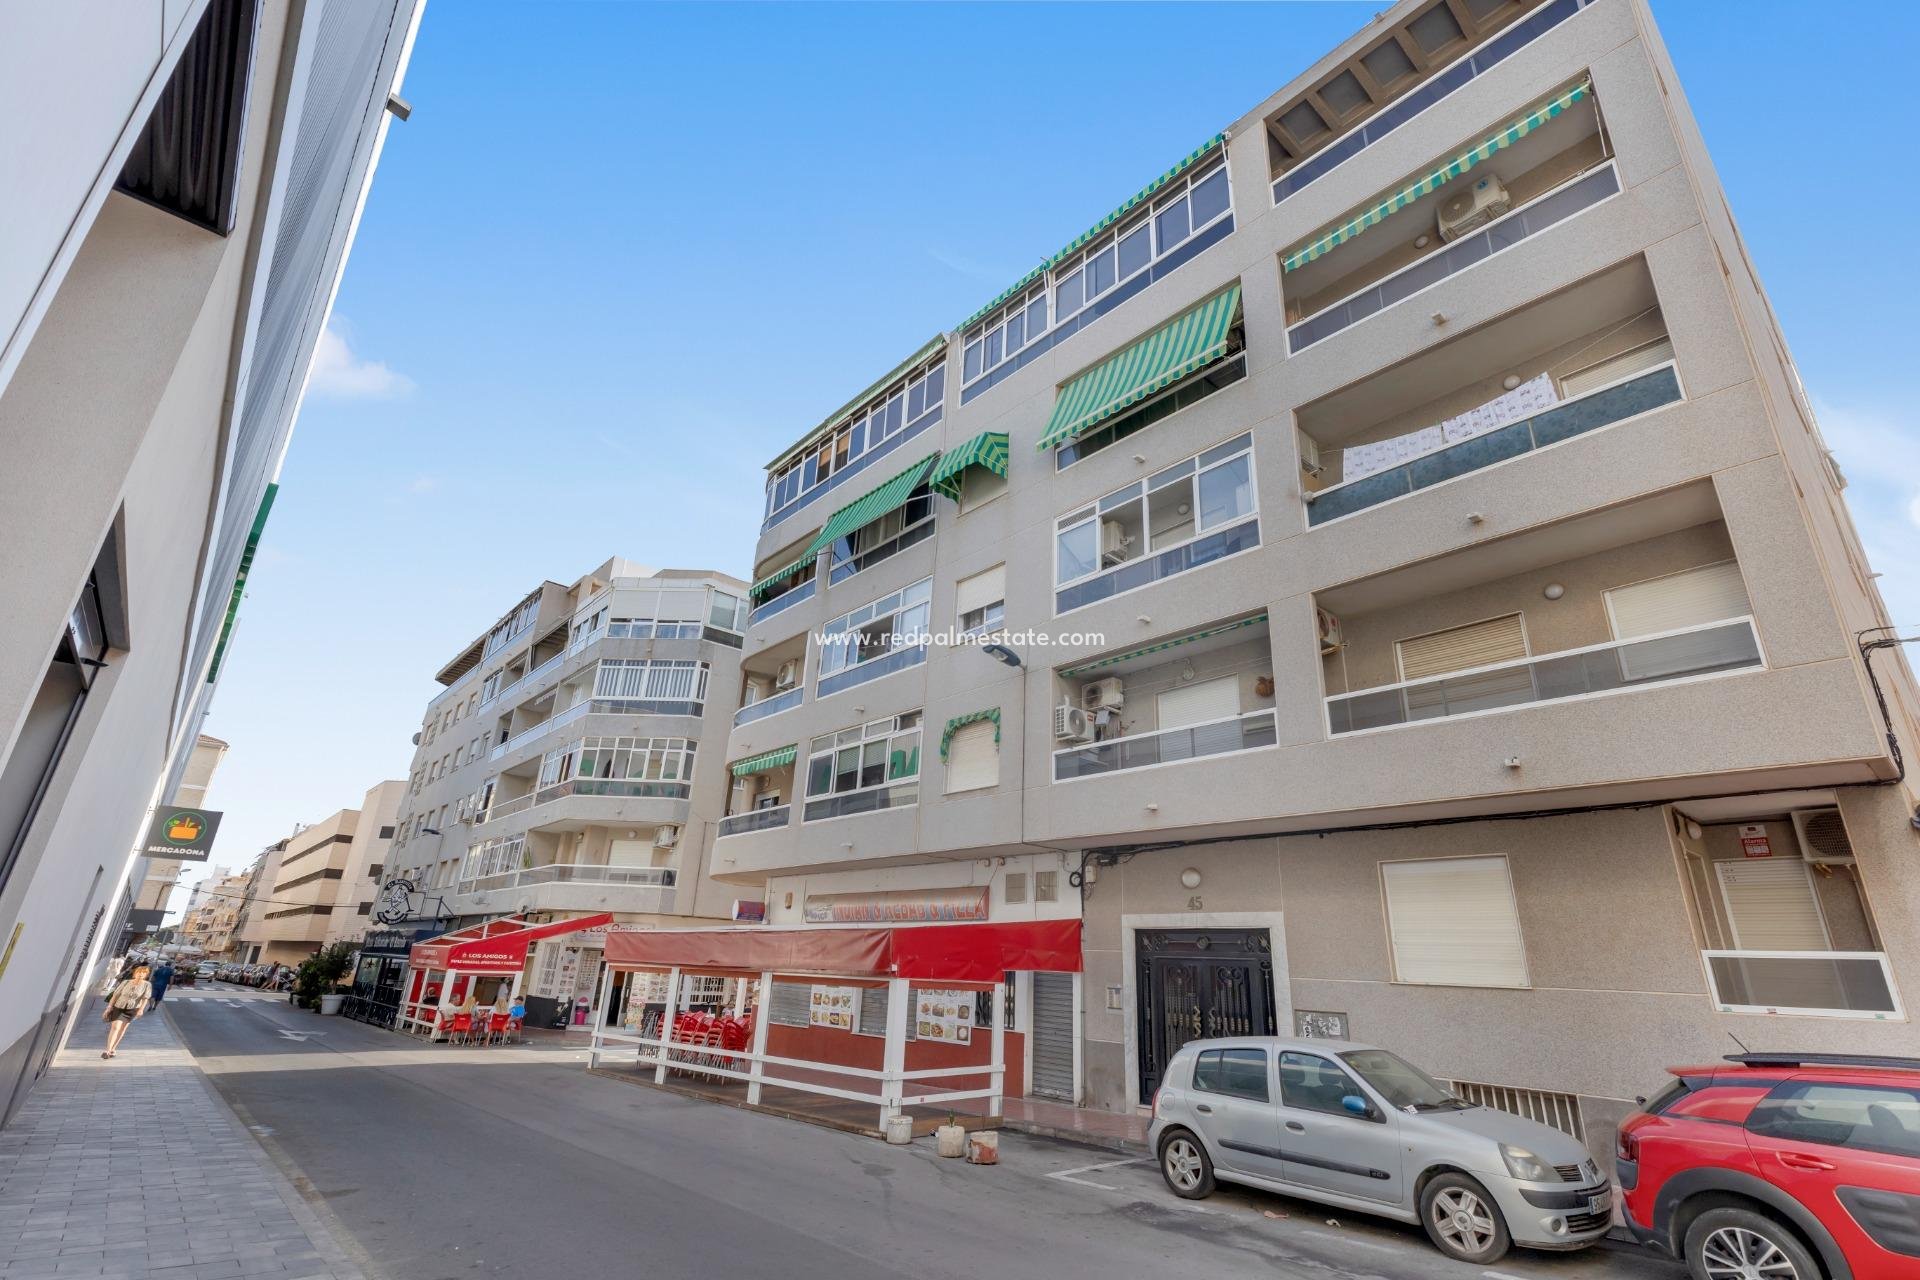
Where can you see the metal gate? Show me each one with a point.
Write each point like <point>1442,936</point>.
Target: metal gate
<point>1051,1043</point>
<point>1199,983</point>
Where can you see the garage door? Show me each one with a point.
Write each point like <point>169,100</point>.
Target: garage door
<point>1052,1040</point>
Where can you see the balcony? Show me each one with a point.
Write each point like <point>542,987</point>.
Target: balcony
<point>1169,746</point>
<point>770,706</point>
<point>792,596</point>
<point>1818,984</point>
<point>1508,183</point>
<point>768,819</point>
<point>624,788</point>
<point>570,873</point>
<point>1711,649</point>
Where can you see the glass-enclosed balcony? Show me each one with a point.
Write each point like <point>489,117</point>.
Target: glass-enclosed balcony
<point>768,819</point>
<point>1188,742</point>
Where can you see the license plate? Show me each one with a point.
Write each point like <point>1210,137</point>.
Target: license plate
<point>1601,1203</point>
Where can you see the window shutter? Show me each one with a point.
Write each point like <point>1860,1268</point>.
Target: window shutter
<point>1196,703</point>
<point>973,757</point>
<point>981,590</point>
<point>1617,368</point>
<point>1453,922</point>
<point>1771,905</point>
<point>1709,594</point>
<point>791,1004</point>
<point>1477,644</point>
<point>872,1019</point>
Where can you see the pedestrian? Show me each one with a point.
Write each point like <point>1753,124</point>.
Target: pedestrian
<point>517,1016</point>
<point>129,1000</point>
<point>160,978</point>
<point>116,969</point>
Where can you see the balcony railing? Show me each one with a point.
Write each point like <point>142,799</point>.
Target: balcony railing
<point>570,873</point>
<point>546,726</point>
<point>1708,649</point>
<point>840,570</point>
<point>1168,746</point>
<point>785,600</point>
<point>770,706</point>
<point>1603,408</point>
<point>628,788</point>
<point>552,662</point>
<point>1809,984</point>
<point>735,824</point>
<point>892,795</point>
<point>1503,233</point>
<point>900,659</point>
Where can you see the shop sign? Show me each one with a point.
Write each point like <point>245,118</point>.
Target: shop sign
<point>831,1007</point>
<point>916,906</point>
<point>1754,842</point>
<point>748,911</point>
<point>395,902</point>
<point>472,955</point>
<point>943,1016</point>
<point>181,835</point>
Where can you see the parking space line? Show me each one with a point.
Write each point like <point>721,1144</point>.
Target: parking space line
<point>1067,1175</point>
<point>1354,1241</point>
<point>1501,1275</point>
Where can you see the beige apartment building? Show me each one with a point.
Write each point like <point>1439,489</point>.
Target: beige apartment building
<point>212,917</point>
<point>572,764</point>
<point>1430,611</point>
<point>323,880</point>
<point>155,878</point>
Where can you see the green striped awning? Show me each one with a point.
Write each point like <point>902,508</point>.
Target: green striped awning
<point>764,588</point>
<point>1184,344</point>
<point>958,723</point>
<point>1133,202</point>
<point>240,581</point>
<point>766,760</point>
<point>1452,169</point>
<point>1115,659</point>
<point>988,449</point>
<point>890,496</point>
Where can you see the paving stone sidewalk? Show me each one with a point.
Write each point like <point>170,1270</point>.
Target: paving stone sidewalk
<point>136,1168</point>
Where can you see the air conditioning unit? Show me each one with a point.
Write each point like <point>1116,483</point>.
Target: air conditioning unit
<point>1070,724</point>
<point>1473,207</point>
<point>666,837</point>
<point>1309,453</point>
<point>787,676</point>
<point>1823,837</point>
<point>1114,542</point>
<point>1096,695</point>
<point>1329,629</point>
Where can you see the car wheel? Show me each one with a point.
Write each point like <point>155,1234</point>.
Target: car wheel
<point>1186,1167</point>
<point>1739,1244</point>
<point>1463,1221</point>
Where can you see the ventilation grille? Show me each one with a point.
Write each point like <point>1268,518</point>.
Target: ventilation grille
<point>1823,836</point>
<point>1555,1110</point>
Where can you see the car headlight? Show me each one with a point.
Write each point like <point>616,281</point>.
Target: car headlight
<point>1526,1166</point>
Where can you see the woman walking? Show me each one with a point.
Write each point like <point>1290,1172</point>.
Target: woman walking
<point>129,1000</point>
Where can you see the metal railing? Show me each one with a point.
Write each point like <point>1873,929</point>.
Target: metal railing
<point>570,873</point>
<point>1167,746</point>
<point>756,820</point>
<point>785,600</point>
<point>1707,649</point>
<point>1809,984</point>
<point>628,788</point>
<point>779,702</point>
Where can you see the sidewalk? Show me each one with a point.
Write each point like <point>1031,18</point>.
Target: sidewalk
<point>135,1168</point>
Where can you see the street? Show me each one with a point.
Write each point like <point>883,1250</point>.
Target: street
<point>431,1162</point>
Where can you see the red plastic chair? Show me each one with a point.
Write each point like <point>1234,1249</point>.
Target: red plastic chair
<point>497,1027</point>
<point>461,1029</point>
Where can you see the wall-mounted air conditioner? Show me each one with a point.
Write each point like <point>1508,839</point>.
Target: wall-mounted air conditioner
<point>1070,724</point>
<point>666,837</point>
<point>1823,837</point>
<point>1114,542</point>
<point>1098,695</point>
<point>1472,207</point>
<point>787,676</point>
<point>1329,628</point>
<point>1309,453</point>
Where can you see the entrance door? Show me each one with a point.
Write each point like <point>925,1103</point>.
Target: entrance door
<point>1052,1040</point>
<point>1198,983</point>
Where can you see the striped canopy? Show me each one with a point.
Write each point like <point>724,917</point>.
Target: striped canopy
<point>890,496</point>
<point>1115,659</point>
<point>988,449</point>
<point>764,588</point>
<point>958,723</point>
<point>1452,169</point>
<point>1188,342</point>
<point>765,760</point>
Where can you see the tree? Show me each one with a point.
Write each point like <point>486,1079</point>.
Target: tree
<point>321,972</point>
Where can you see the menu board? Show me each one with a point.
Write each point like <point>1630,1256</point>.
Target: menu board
<point>943,1016</point>
<point>831,1007</point>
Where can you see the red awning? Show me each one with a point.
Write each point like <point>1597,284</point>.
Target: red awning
<point>949,952</point>
<point>498,946</point>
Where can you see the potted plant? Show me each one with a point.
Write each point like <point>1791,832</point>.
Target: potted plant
<point>315,982</point>
<point>951,1139</point>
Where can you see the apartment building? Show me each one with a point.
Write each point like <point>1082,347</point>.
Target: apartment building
<point>212,917</point>
<point>249,938</point>
<point>155,878</point>
<point>1428,611</point>
<point>184,179</point>
<point>572,763</point>
<point>321,889</point>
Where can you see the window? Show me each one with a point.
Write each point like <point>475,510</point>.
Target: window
<point>980,600</point>
<point>1771,905</point>
<point>1046,886</point>
<point>386,832</point>
<point>893,625</point>
<point>1016,887</point>
<point>727,611</point>
<point>489,688</point>
<point>906,407</point>
<point>650,679</point>
<point>1860,1117</point>
<point>1189,391</point>
<point>1200,496</point>
<point>1236,1073</point>
<point>865,768</point>
<point>512,625</point>
<point>649,759</point>
<point>1453,922</point>
<point>1309,1082</point>
<point>1712,593</point>
<point>884,538</point>
<point>973,762</point>
<point>1201,702</point>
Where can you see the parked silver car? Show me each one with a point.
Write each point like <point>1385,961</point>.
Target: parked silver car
<point>1359,1127</point>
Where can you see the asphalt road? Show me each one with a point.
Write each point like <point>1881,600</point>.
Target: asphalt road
<point>438,1162</point>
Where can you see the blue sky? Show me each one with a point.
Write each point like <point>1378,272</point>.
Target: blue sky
<point>623,253</point>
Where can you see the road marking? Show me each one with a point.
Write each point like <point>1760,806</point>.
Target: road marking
<point>300,1035</point>
<point>1354,1241</point>
<point>1067,1175</point>
<point>1501,1275</point>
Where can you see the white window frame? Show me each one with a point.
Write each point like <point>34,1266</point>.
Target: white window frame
<point>918,382</point>
<point>1142,490</point>
<point>650,670</point>
<point>1386,908</point>
<point>835,635</point>
<point>883,730</point>
<point>649,752</point>
<point>1526,645</point>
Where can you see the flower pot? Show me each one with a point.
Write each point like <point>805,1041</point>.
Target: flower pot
<point>899,1130</point>
<point>951,1141</point>
<point>331,1002</point>
<point>984,1147</point>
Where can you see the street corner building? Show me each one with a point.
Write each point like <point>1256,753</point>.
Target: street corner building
<point>1480,659</point>
<point>185,180</point>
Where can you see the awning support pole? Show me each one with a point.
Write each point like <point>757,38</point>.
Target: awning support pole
<point>667,1016</point>
<point>761,1021</point>
<point>599,1016</point>
<point>998,1080</point>
<point>447,1004</point>
<point>892,1087</point>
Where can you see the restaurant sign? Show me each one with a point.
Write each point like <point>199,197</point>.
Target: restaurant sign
<point>183,835</point>
<point>913,906</point>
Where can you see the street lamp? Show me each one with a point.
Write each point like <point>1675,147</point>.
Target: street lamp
<point>1001,653</point>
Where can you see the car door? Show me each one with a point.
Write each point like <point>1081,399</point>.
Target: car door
<point>1850,1152</point>
<point>1325,1145</point>
<point>1232,1100</point>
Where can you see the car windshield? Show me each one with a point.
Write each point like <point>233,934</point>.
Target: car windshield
<point>1401,1083</point>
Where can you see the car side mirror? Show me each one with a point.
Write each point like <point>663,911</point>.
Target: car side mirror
<point>1358,1105</point>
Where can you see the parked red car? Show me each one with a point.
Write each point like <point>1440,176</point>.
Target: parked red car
<point>1780,1166</point>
